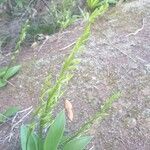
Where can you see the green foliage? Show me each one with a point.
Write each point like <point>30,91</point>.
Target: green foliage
<point>77,143</point>
<point>21,38</point>
<point>112,1</point>
<point>63,13</point>
<point>29,140</point>
<point>55,134</point>
<point>51,93</point>
<point>59,16</point>
<point>20,3</point>
<point>56,139</point>
<point>7,73</point>
<point>8,113</point>
<point>93,4</point>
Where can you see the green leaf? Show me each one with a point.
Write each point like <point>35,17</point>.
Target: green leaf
<point>2,71</point>
<point>92,4</point>
<point>78,143</point>
<point>23,135</point>
<point>8,113</point>
<point>64,139</point>
<point>11,111</point>
<point>2,83</point>
<point>11,72</point>
<point>55,132</point>
<point>29,140</point>
<point>39,143</point>
<point>112,1</point>
<point>32,143</point>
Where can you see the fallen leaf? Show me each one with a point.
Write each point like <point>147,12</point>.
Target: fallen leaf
<point>68,107</point>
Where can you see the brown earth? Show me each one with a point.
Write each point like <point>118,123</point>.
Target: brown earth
<point>116,58</point>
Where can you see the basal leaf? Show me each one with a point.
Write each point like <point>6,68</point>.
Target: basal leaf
<point>28,139</point>
<point>32,143</point>
<point>2,83</point>
<point>24,134</point>
<point>78,143</point>
<point>38,142</point>
<point>55,133</point>
<point>11,111</point>
<point>112,1</point>
<point>8,113</point>
<point>2,71</point>
<point>11,72</point>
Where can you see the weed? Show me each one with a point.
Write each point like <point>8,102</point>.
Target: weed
<point>51,94</point>
<point>51,133</point>
<point>53,139</point>
<point>93,4</point>
<point>57,17</point>
<point>8,72</point>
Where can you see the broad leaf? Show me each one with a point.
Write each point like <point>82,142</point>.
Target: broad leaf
<point>11,72</point>
<point>24,134</point>
<point>29,140</point>
<point>112,1</point>
<point>78,143</point>
<point>32,143</point>
<point>55,133</point>
<point>11,111</point>
<point>64,139</point>
<point>8,113</point>
<point>2,71</point>
<point>38,142</point>
<point>2,83</point>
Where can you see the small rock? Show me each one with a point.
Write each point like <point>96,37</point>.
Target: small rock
<point>146,91</point>
<point>146,113</point>
<point>131,122</point>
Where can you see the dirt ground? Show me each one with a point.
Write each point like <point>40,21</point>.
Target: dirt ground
<point>116,58</point>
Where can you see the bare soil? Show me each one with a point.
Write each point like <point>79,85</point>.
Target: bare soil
<point>116,58</point>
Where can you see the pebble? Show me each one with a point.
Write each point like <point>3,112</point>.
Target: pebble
<point>131,122</point>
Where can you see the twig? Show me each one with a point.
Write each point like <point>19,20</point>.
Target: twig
<point>19,112</point>
<point>92,148</point>
<point>67,46</point>
<point>25,110</point>
<point>138,30</point>
<point>21,120</point>
<point>10,83</point>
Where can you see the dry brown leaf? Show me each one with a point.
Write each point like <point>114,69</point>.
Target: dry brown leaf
<point>68,107</point>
